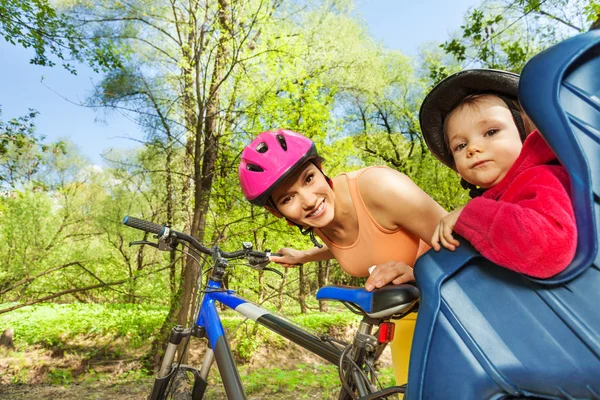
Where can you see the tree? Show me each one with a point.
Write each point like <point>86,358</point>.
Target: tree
<point>506,34</point>
<point>23,152</point>
<point>36,24</point>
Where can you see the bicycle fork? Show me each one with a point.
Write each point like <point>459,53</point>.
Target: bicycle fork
<point>166,371</point>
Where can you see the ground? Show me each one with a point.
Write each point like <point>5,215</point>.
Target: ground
<point>274,371</point>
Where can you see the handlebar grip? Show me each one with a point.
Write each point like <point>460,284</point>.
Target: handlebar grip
<point>143,225</point>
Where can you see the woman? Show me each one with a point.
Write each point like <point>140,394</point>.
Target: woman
<point>375,216</point>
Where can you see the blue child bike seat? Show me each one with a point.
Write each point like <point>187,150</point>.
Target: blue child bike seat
<point>486,332</point>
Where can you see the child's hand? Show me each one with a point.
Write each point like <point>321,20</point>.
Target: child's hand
<point>443,233</point>
<point>394,271</point>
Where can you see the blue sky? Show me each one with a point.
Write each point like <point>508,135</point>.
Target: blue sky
<point>398,24</point>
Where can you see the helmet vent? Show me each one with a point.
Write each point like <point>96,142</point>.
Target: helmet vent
<point>282,142</point>
<point>262,147</point>
<point>254,168</point>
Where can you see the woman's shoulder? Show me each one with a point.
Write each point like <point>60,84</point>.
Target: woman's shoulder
<point>381,184</point>
<point>380,176</point>
<point>373,170</point>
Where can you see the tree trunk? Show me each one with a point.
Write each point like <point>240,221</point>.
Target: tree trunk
<point>302,290</point>
<point>283,282</point>
<point>323,279</point>
<point>205,155</point>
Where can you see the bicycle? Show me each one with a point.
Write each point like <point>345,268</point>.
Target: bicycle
<point>355,361</point>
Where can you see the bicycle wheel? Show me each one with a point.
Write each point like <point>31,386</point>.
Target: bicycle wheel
<point>181,387</point>
<point>176,386</point>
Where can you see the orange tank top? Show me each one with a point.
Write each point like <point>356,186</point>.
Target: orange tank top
<point>374,243</point>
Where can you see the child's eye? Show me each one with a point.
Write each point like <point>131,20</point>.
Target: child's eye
<point>309,178</point>
<point>491,132</point>
<point>459,147</point>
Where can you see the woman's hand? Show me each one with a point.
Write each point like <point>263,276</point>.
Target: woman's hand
<point>289,257</point>
<point>393,271</point>
<point>443,233</point>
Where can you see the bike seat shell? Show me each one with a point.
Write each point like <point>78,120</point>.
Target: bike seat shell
<point>379,303</point>
<point>486,332</point>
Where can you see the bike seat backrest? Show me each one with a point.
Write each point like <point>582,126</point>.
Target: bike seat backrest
<point>488,332</point>
<point>560,91</point>
<point>379,303</point>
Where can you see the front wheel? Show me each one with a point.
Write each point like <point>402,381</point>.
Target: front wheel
<point>182,383</point>
<point>181,388</point>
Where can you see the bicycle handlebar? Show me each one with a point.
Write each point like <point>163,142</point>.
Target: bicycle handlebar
<point>142,225</point>
<point>161,231</point>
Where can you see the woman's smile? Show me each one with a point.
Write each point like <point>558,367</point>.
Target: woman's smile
<point>318,211</point>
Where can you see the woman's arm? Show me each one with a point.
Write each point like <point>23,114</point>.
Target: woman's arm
<point>292,257</point>
<point>395,201</point>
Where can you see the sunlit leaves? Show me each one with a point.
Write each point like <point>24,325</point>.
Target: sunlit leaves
<point>36,24</point>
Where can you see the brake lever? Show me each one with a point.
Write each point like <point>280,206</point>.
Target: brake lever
<point>274,270</point>
<point>141,242</point>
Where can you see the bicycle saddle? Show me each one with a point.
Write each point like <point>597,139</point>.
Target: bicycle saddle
<point>380,303</point>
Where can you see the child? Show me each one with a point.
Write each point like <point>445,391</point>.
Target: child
<point>521,215</point>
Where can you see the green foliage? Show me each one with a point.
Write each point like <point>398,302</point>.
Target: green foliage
<point>303,380</point>
<point>36,24</point>
<point>60,376</point>
<point>324,322</point>
<point>53,324</point>
<point>505,34</point>
<point>22,151</point>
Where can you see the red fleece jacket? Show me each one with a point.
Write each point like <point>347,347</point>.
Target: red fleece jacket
<point>526,222</point>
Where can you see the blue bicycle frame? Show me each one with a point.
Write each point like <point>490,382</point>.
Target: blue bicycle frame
<point>208,318</point>
<point>375,306</point>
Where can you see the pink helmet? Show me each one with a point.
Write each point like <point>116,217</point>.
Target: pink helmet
<point>269,159</point>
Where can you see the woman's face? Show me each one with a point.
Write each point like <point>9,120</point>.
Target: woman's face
<point>306,198</point>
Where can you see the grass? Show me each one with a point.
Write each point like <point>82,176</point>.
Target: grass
<point>52,324</point>
<point>304,381</point>
<point>69,343</point>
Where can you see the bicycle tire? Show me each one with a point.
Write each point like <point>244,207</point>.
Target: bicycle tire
<point>181,386</point>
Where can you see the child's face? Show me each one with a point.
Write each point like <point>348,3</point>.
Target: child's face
<point>306,198</point>
<point>484,140</point>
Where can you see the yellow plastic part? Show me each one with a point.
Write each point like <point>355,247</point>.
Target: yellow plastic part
<point>400,346</point>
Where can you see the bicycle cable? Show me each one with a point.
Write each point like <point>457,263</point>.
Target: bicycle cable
<point>341,372</point>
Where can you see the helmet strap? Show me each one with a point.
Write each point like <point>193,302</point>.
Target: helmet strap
<point>474,191</point>
<point>517,117</point>
<point>307,231</point>
<point>328,179</point>
<point>311,232</point>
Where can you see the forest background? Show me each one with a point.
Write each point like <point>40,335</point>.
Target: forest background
<point>200,79</point>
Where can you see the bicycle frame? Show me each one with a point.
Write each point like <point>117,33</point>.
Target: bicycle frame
<point>209,324</point>
<point>208,318</point>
